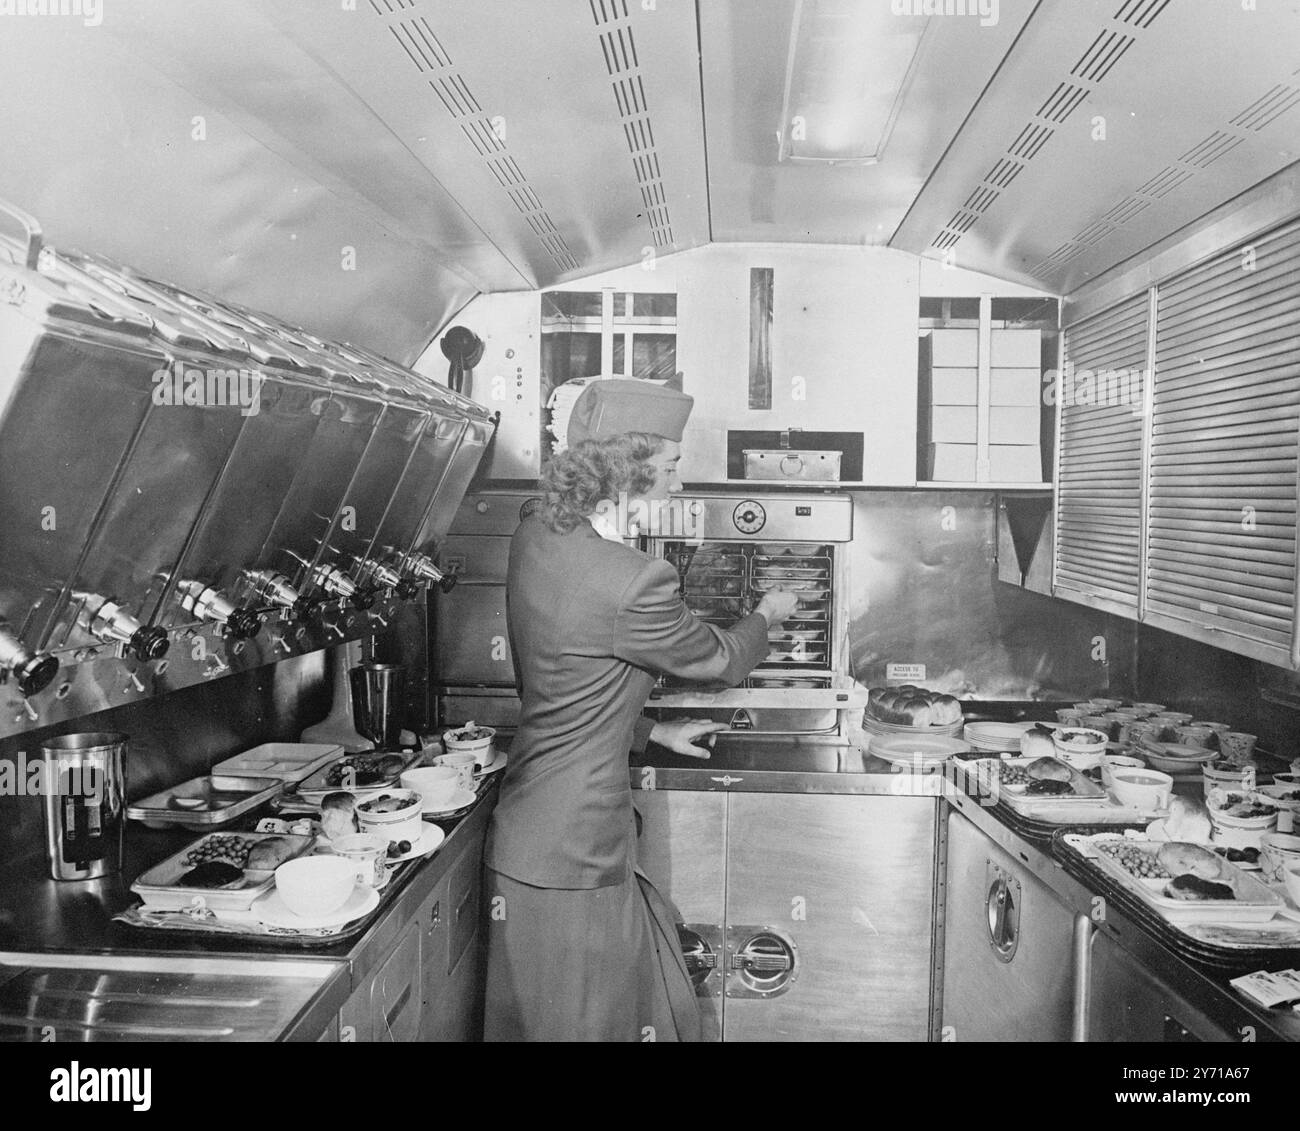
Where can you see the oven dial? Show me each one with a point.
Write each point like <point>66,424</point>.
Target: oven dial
<point>749,516</point>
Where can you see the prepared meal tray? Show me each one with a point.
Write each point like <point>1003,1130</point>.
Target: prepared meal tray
<point>1186,883</point>
<point>206,802</point>
<point>226,871</point>
<point>288,761</point>
<point>360,774</point>
<point>1033,782</point>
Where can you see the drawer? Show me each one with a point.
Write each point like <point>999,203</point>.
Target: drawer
<point>464,899</point>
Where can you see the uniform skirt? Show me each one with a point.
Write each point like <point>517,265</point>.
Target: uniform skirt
<point>585,964</point>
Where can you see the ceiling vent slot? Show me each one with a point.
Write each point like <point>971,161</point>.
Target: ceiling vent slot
<point>1205,153</point>
<point>607,11</point>
<point>981,198</point>
<point>1140,13</point>
<point>1003,172</point>
<point>426,53</point>
<point>1126,209</point>
<point>1032,138</point>
<point>1165,181</point>
<point>618,49</point>
<point>1106,50</point>
<point>1093,233</point>
<point>1264,110</point>
<point>1063,102</point>
<point>945,240</point>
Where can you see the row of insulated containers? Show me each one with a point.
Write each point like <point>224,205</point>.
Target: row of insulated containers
<point>168,459</point>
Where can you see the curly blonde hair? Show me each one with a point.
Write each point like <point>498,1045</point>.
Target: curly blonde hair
<point>575,480</point>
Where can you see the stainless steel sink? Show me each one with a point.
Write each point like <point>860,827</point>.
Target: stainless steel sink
<point>81,998</point>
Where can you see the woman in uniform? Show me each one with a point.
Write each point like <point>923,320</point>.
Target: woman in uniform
<point>581,947</point>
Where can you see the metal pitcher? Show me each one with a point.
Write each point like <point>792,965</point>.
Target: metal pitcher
<point>84,788</point>
<point>379,702</point>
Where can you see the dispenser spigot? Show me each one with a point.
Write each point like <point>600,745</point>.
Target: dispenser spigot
<point>31,671</point>
<point>206,603</point>
<point>108,621</point>
<point>422,568</point>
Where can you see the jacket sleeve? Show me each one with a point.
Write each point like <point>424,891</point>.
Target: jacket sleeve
<point>655,630</point>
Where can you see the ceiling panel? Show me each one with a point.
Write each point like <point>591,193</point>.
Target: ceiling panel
<point>744,46</point>
<point>1112,124</point>
<point>569,130</point>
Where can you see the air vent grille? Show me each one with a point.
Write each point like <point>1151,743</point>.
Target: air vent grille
<point>425,52</point>
<point>1107,49</point>
<point>623,65</point>
<point>1217,145</point>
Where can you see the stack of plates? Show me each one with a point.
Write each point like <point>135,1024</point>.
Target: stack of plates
<point>996,738</point>
<point>884,730</point>
<point>921,751</point>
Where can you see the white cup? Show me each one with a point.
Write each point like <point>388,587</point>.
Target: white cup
<point>463,762</point>
<point>435,784</point>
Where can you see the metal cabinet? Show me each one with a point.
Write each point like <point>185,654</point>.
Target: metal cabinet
<point>452,966</point>
<point>1127,1002</point>
<point>1007,968</point>
<point>809,916</point>
<point>386,1006</point>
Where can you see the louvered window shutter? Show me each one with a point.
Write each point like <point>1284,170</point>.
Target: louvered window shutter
<point>1099,501</point>
<point>1221,562</point>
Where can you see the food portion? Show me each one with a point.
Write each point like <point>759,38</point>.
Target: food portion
<point>1134,860</point>
<point>338,815</point>
<point>229,848</point>
<point>1191,887</point>
<point>912,706</point>
<point>213,874</point>
<point>1073,737</point>
<point>470,733</point>
<point>1244,807</point>
<point>1183,858</point>
<point>364,770</point>
<point>388,803</point>
<point>1037,744</point>
<point>267,855</point>
<point>1048,769</point>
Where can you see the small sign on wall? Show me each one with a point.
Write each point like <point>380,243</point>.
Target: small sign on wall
<point>911,673</point>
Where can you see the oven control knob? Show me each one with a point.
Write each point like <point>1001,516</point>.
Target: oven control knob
<point>749,516</point>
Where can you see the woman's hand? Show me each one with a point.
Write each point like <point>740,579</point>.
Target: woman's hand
<point>777,605</point>
<point>680,736</point>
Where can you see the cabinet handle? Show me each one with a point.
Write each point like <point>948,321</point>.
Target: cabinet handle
<point>464,903</point>
<point>435,917</point>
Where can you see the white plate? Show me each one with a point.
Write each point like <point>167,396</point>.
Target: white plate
<point>498,763</point>
<point>994,736</point>
<point>271,910</point>
<point>430,838</point>
<point>458,800</point>
<point>921,750</point>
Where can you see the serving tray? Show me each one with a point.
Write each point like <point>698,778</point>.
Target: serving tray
<point>1255,903</point>
<point>160,891</point>
<point>316,788</point>
<point>205,803</point>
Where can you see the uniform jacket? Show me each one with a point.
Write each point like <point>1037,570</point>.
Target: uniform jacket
<point>592,624</point>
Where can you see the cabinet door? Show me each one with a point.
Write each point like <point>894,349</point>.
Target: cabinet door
<point>395,998</point>
<point>682,849</point>
<point>844,886</point>
<point>434,924</point>
<point>1021,992</point>
<point>465,894</point>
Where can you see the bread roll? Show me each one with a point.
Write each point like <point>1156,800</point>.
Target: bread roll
<point>1048,769</point>
<point>267,855</point>
<point>945,710</point>
<point>1035,744</point>
<point>1182,859</point>
<point>1188,821</point>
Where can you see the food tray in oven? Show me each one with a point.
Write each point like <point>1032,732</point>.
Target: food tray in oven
<point>159,889</point>
<point>206,802</point>
<point>1254,902</point>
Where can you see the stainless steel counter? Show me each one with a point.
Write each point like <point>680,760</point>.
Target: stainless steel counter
<point>60,944</point>
<point>743,764</point>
